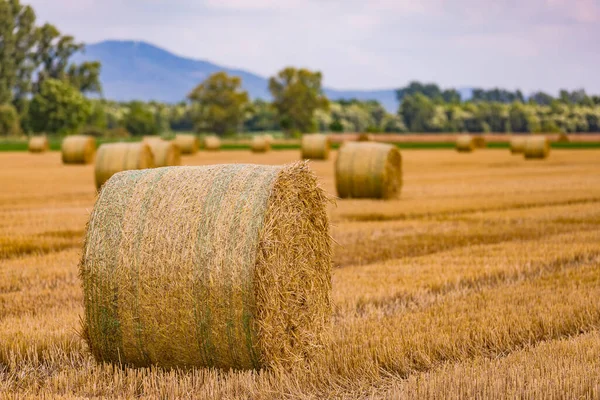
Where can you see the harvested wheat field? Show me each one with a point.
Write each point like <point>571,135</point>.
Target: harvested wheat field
<point>481,280</point>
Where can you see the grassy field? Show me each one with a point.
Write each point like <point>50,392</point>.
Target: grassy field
<point>482,281</point>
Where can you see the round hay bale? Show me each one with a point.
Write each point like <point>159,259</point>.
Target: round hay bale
<point>212,143</point>
<point>479,142</point>
<point>365,137</point>
<point>188,144</point>
<point>78,149</point>
<point>563,138</point>
<point>368,170</point>
<point>537,147</point>
<point>38,144</point>
<point>465,143</point>
<point>117,157</point>
<point>260,144</point>
<point>150,138</point>
<point>269,138</point>
<point>225,266</point>
<point>517,144</point>
<point>166,154</point>
<point>315,146</point>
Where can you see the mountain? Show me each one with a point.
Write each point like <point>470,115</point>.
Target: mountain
<point>140,71</point>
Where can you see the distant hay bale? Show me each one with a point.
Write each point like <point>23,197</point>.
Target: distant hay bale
<point>166,153</point>
<point>149,138</point>
<point>188,144</point>
<point>38,144</point>
<point>225,266</point>
<point>368,170</point>
<point>479,142</point>
<point>117,157</point>
<point>465,143</point>
<point>260,144</point>
<point>269,138</point>
<point>563,138</point>
<point>212,143</point>
<point>315,146</point>
<point>517,144</point>
<point>537,147</point>
<point>365,137</point>
<point>78,149</point>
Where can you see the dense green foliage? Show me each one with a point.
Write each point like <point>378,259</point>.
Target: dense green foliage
<point>9,120</point>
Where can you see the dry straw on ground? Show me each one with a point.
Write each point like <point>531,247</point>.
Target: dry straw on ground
<point>260,144</point>
<point>517,144</point>
<point>368,170</point>
<point>39,144</point>
<point>78,149</point>
<point>537,147</point>
<point>465,143</point>
<point>315,146</point>
<point>117,157</point>
<point>365,137</point>
<point>212,143</point>
<point>243,281</point>
<point>166,153</point>
<point>188,144</point>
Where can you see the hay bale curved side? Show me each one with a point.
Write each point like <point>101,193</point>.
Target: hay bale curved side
<point>166,154</point>
<point>188,144</point>
<point>517,144</point>
<point>78,149</point>
<point>479,142</point>
<point>239,284</point>
<point>537,147</point>
<point>260,144</point>
<point>38,144</point>
<point>212,143</point>
<point>368,170</point>
<point>117,157</point>
<point>365,137</point>
<point>315,146</point>
<point>465,143</point>
<point>269,138</point>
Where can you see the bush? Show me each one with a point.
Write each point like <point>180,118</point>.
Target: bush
<point>117,133</point>
<point>92,131</point>
<point>9,121</point>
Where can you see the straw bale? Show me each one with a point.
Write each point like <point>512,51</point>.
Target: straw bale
<point>260,144</point>
<point>537,147</point>
<point>365,137</point>
<point>368,170</point>
<point>465,143</point>
<point>166,153</point>
<point>563,138</point>
<point>78,149</point>
<point>517,144</point>
<point>479,142</point>
<point>315,146</point>
<point>269,138</point>
<point>38,144</point>
<point>188,144</point>
<point>225,266</point>
<point>212,143</point>
<point>117,157</point>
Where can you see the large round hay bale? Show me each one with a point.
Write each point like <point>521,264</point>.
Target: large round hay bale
<point>537,147</point>
<point>465,143</point>
<point>212,143</point>
<point>365,137</point>
<point>78,149</point>
<point>315,146</point>
<point>225,266</point>
<point>368,170</point>
<point>517,144</point>
<point>188,144</point>
<point>260,144</point>
<point>117,157</point>
<point>166,154</point>
<point>38,144</point>
<point>479,142</point>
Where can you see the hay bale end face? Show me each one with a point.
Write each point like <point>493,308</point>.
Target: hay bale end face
<point>517,144</point>
<point>465,144</point>
<point>368,170</point>
<point>537,147</point>
<point>479,142</point>
<point>38,144</point>
<point>260,144</point>
<point>78,149</point>
<point>212,143</point>
<point>315,146</point>
<point>188,144</point>
<point>166,153</point>
<point>117,157</point>
<point>243,281</point>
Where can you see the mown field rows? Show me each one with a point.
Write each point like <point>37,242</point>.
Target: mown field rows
<point>481,281</point>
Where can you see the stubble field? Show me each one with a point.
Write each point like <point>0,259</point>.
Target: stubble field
<point>483,280</point>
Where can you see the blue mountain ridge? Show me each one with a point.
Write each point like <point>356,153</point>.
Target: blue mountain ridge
<point>133,70</point>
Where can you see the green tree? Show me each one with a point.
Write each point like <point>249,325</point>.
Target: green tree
<point>58,108</point>
<point>9,120</point>
<point>140,120</point>
<point>297,94</point>
<point>219,104</point>
<point>261,116</point>
<point>417,111</point>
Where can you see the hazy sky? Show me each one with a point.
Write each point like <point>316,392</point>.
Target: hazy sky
<point>363,44</point>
